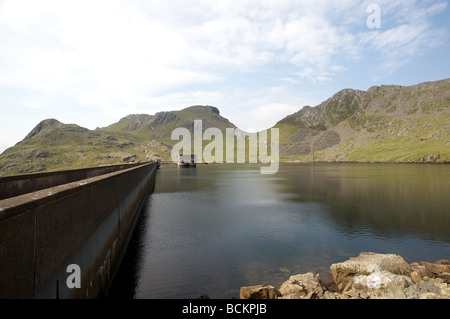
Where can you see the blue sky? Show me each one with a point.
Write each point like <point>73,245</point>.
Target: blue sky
<point>94,62</point>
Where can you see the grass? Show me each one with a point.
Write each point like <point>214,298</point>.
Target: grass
<point>399,150</point>
<point>429,137</point>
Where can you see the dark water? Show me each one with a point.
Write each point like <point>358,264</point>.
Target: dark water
<point>212,229</point>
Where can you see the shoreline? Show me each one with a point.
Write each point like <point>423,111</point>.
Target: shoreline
<point>367,276</point>
<point>171,164</point>
<point>320,162</point>
<point>365,162</point>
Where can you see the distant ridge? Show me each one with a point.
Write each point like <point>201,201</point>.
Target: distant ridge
<point>387,123</point>
<point>53,145</point>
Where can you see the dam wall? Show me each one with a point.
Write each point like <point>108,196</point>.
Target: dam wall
<point>72,234</point>
<point>11,186</point>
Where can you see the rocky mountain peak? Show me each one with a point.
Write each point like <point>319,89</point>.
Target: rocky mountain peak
<point>43,125</point>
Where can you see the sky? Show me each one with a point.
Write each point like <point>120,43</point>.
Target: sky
<point>93,62</point>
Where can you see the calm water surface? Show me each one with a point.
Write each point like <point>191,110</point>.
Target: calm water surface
<point>212,229</point>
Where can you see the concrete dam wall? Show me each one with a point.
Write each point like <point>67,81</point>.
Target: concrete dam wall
<point>67,241</point>
<point>22,184</point>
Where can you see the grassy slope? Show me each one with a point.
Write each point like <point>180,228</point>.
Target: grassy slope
<point>429,142</point>
<point>384,124</point>
<point>61,148</point>
<point>135,138</point>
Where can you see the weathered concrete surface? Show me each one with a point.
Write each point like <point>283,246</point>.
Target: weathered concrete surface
<point>87,223</point>
<point>21,184</point>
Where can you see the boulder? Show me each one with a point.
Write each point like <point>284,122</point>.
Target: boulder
<point>426,287</point>
<point>415,276</point>
<point>366,264</point>
<point>445,276</point>
<point>303,286</point>
<point>421,271</point>
<point>381,285</point>
<point>437,268</point>
<point>368,276</point>
<point>259,292</point>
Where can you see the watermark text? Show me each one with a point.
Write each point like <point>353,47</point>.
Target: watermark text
<point>240,147</point>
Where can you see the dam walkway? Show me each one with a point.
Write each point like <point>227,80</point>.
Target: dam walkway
<point>63,234</point>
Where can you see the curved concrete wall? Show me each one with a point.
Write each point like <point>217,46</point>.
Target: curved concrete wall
<point>11,186</point>
<point>86,223</point>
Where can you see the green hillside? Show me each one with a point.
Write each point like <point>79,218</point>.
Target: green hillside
<point>383,124</point>
<point>160,126</point>
<point>52,145</point>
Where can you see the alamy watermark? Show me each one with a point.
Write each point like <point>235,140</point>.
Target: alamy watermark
<point>257,144</point>
<point>374,19</point>
<point>74,279</point>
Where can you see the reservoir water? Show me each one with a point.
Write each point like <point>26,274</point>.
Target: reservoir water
<point>212,229</point>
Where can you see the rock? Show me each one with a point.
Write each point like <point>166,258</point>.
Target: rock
<point>368,276</point>
<point>259,292</point>
<point>366,264</point>
<point>329,295</point>
<point>415,276</point>
<point>303,286</point>
<point>381,284</point>
<point>436,268</point>
<point>42,154</point>
<point>431,158</point>
<point>443,286</point>
<point>421,270</point>
<point>444,276</point>
<point>428,287</point>
<point>130,159</point>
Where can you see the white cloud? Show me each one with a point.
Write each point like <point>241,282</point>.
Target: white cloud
<point>407,32</point>
<point>32,105</point>
<point>321,76</point>
<point>269,114</point>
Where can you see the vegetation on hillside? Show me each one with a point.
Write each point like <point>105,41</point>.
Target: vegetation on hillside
<point>382,124</point>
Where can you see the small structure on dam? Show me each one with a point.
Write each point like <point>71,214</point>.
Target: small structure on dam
<point>63,234</point>
<point>187,160</point>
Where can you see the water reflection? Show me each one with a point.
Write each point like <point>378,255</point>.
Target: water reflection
<point>127,278</point>
<point>388,200</point>
<point>212,229</point>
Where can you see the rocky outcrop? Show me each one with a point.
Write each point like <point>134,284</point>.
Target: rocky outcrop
<point>306,286</point>
<point>367,276</point>
<point>259,292</point>
<point>367,264</point>
<point>43,125</point>
<point>350,125</point>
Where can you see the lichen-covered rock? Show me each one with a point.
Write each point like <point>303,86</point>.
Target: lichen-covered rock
<point>368,276</point>
<point>437,268</point>
<point>303,286</point>
<point>445,276</point>
<point>381,284</point>
<point>366,264</point>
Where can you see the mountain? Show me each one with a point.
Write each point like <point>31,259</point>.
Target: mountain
<point>383,124</point>
<point>160,126</point>
<point>53,145</point>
